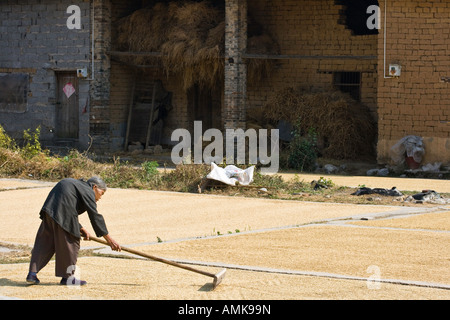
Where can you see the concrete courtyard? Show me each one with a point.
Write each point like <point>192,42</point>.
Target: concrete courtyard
<point>272,249</point>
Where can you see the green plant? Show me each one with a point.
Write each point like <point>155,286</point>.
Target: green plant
<point>326,182</point>
<point>32,146</point>
<point>150,168</point>
<point>272,181</point>
<point>6,141</point>
<point>303,150</point>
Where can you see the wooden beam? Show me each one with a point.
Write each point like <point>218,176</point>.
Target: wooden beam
<point>297,56</point>
<point>252,56</point>
<point>134,54</point>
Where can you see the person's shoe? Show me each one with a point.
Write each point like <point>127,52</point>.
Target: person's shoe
<point>72,282</point>
<point>32,278</point>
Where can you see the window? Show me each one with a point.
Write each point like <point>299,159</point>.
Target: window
<point>354,16</point>
<point>348,82</point>
<point>13,92</point>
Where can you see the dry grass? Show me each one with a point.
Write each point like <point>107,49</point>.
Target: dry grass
<point>184,178</point>
<point>17,162</point>
<point>44,166</point>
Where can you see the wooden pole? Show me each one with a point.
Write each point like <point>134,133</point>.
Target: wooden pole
<point>150,121</point>
<point>130,111</point>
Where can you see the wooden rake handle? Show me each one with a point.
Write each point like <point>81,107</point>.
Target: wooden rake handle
<point>145,255</point>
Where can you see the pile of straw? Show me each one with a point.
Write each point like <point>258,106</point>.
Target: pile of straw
<point>191,39</point>
<point>345,127</point>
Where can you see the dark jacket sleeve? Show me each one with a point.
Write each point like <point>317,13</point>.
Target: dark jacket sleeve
<point>97,220</point>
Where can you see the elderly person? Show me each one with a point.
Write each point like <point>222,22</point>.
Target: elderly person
<point>60,232</point>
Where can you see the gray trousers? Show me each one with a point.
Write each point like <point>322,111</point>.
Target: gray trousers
<point>52,239</point>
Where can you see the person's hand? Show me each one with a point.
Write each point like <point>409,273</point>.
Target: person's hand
<point>112,243</point>
<point>85,233</point>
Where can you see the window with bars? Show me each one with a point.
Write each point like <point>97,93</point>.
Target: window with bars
<point>348,82</point>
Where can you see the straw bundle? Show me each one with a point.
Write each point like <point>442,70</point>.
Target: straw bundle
<point>190,48</point>
<point>133,31</point>
<point>191,38</point>
<point>344,125</point>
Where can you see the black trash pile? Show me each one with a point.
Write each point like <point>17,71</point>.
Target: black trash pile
<point>429,196</point>
<point>384,192</point>
<point>426,196</point>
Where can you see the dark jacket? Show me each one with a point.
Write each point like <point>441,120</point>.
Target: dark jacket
<point>70,198</point>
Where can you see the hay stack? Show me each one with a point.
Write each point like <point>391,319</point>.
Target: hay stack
<point>133,32</point>
<point>191,49</point>
<point>191,38</point>
<point>345,126</point>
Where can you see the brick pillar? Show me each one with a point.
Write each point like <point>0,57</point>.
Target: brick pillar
<point>99,115</point>
<point>234,113</point>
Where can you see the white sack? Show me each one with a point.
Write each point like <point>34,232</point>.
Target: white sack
<point>231,174</point>
<point>411,146</point>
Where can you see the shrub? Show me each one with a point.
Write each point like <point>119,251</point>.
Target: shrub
<point>32,145</point>
<point>5,141</point>
<point>303,150</point>
<point>150,169</point>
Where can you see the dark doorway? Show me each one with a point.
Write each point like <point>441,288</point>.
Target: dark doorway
<point>204,104</point>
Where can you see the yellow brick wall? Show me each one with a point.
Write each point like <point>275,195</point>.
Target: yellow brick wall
<point>308,27</point>
<point>418,102</point>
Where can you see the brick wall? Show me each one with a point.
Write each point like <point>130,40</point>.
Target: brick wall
<point>310,28</point>
<point>34,39</point>
<point>417,102</point>
<point>100,112</point>
<point>234,106</point>
<point>303,27</point>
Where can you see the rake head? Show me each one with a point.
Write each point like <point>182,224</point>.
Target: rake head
<point>218,277</point>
